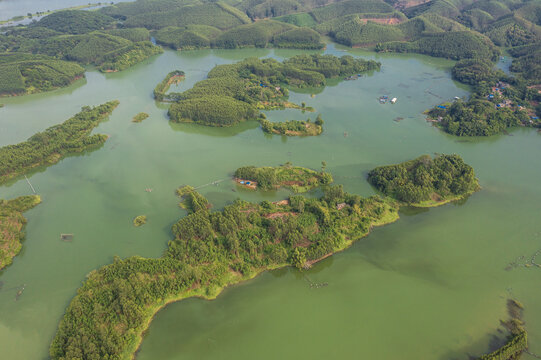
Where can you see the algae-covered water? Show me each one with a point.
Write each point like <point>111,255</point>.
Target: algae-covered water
<point>431,286</point>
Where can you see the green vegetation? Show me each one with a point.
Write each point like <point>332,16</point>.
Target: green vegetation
<point>130,55</point>
<point>187,37</point>
<point>452,45</point>
<point>55,143</point>
<point>139,220</point>
<point>517,341</point>
<point>75,21</point>
<point>296,178</point>
<point>234,93</point>
<point>342,8</point>
<point>210,250</point>
<point>139,117</point>
<point>425,182</point>
<point>294,127</point>
<point>11,226</point>
<point>511,350</point>
<point>132,34</point>
<point>217,14</point>
<point>191,200</point>
<point>300,38</point>
<point>474,71</point>
<point>26,74</point>
<point>174,77</point>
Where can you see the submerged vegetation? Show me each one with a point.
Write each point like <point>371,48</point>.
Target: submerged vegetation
<point>210,250</point>
<point>517,341</point>
<point>425,181</point>
<point>296,178</point>
<point>12,222</point>
<point>234,92</point>
<point>53,144</point>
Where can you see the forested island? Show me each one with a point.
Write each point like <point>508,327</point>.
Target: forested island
<point>12,222</point>
<point>296,178</point>
<point>293,127</point>
<point>210,250</point>
<point>53,144</point>
<point>426,181</point>
<point>214,249</point>
<point>233,93</point>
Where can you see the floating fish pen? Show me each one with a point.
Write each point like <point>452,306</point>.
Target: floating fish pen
<point>66,237</point>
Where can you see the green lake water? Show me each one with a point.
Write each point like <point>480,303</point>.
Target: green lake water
<point>433,285</point>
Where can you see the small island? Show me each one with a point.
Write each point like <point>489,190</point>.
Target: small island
<point>293,127</point>
<point>236,92</point>
<point>139,117</point>
<point>426,181</point>
<point>12,223</point>
<point>139,220</point>
<point>296,178</point>
<point>55,143</point>
<point>174,77</point>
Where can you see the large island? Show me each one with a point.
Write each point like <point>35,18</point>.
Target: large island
<point>211,250</point>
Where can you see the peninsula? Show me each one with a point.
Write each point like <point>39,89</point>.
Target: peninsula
<point>55,143</point>
<point>12,222</point>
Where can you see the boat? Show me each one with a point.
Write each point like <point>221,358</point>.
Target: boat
<point>393,100</point>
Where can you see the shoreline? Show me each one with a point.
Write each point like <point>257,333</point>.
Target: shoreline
<point>131,353</point>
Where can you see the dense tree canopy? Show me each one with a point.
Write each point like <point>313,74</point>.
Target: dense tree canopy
<point>425,181</point>
<point>210,250</point>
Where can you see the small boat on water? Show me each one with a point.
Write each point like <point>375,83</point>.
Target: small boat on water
<point>393,100</point>
<point>148,190</point>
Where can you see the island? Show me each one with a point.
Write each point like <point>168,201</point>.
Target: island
<point>55,143</point>
<point>139,220</point>
<point>212,250</point>
<point>139,117</point>
<point>22,74</point>
<point>174,77</point>
<point>294,127</point>
<point>234,92</point>
<point>426,181</point>
<point>12,223</point>
<point>296,178</point>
